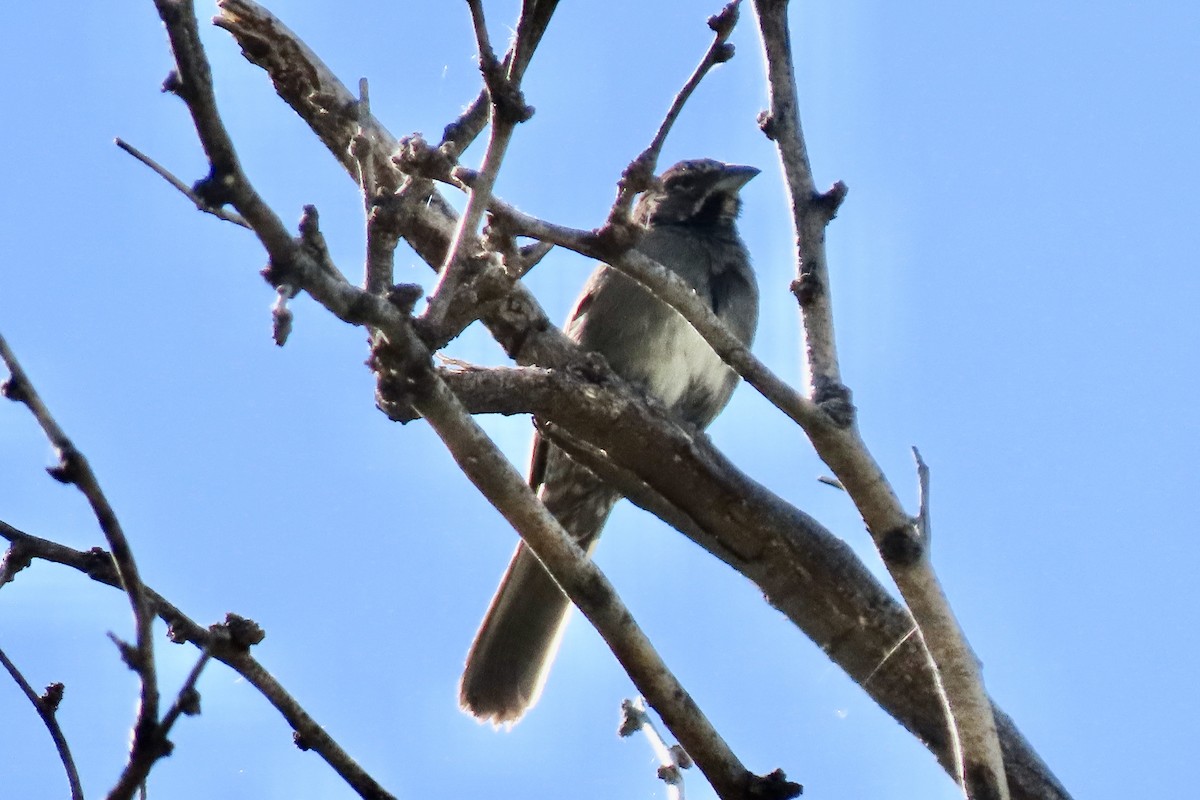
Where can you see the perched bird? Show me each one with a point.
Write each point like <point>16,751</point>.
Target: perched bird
<point>689,228</point>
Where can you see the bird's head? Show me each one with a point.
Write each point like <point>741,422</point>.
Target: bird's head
<point>700,192</point>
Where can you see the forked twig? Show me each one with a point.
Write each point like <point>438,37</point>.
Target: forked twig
<point>73,468</point>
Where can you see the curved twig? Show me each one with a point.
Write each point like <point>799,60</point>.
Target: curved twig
<point>73,468</point>
<point>46,705</point>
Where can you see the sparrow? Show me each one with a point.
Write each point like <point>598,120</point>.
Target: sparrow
<point>689,227</point>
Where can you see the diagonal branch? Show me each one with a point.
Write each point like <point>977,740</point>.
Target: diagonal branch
<point>73,468</point>
<point>979,763</point>
<point>587,587</point>
<point>402,358</point>
<point>508,109</point>
<point>46,705</point>
<point>672,290</point>
<point>803,569</point>
<point>227,642</point>
<point>639,175</point>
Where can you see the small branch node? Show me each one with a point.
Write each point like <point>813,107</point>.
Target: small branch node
<point>831,200</point>
<point>836,400</point>
<point>52,697</point>
<point>774,786</point>
<point>768,124</point>
<point>404,296</point>
<point>16,558</point>
<point>238,632</point>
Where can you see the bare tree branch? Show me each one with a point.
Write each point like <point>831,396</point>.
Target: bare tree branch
<point>979,766</point>
<point>228,642</point>
<point>46,705</point>
<point>73,468</point>
<point>518,322</point>
<point>165,174</point>
<point>803,569</point>
<point>639,175</point>
<point>585,584</point>
<point>306,265</point>
<point>508,109</point>
<point>671,760</point>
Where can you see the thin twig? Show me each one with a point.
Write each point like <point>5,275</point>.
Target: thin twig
<point>73,468</point>
<point>638,176</point>
<point>229,650</point>
<point>508,109</point>
<point>187,702</point>
<point>165,174</point>
<point>361,145</point>
<point>672,290</point>
<point>672,760</point>
<point>46,705</point>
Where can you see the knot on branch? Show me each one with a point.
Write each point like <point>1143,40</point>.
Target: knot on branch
<point>16,558</point>
<point>99,566</point>
<point>189,702</point>
<point>401,375</point>
<point>831,200</point>
<point>516,322</point>
<point>774,786</point>
<point>414,156</point>
<point>807,287</point>
<point>768,125</point>
<point>69,468</point>
<point>176,633</point>
<point>173,84</point>
<point>723,22</point>
<point>508,101</point>
<point>15,388</point>
<point>216,189</point>
<point>404,297</point>
<point>836,400</point>
<point>901,547</point>
<point>614,239</point>
<point>51,697</point>
<point>237,632</point>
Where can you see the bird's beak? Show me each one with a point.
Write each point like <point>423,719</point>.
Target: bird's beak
<point>735,176</point>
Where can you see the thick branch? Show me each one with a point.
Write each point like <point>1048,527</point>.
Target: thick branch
<point>802,569</point>
<point>306,84</point>
<point>590,591</point>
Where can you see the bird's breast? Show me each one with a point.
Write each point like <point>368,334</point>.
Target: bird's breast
<point>680,363</point>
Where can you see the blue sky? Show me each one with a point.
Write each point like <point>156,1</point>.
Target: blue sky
<point>1015,286</point>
